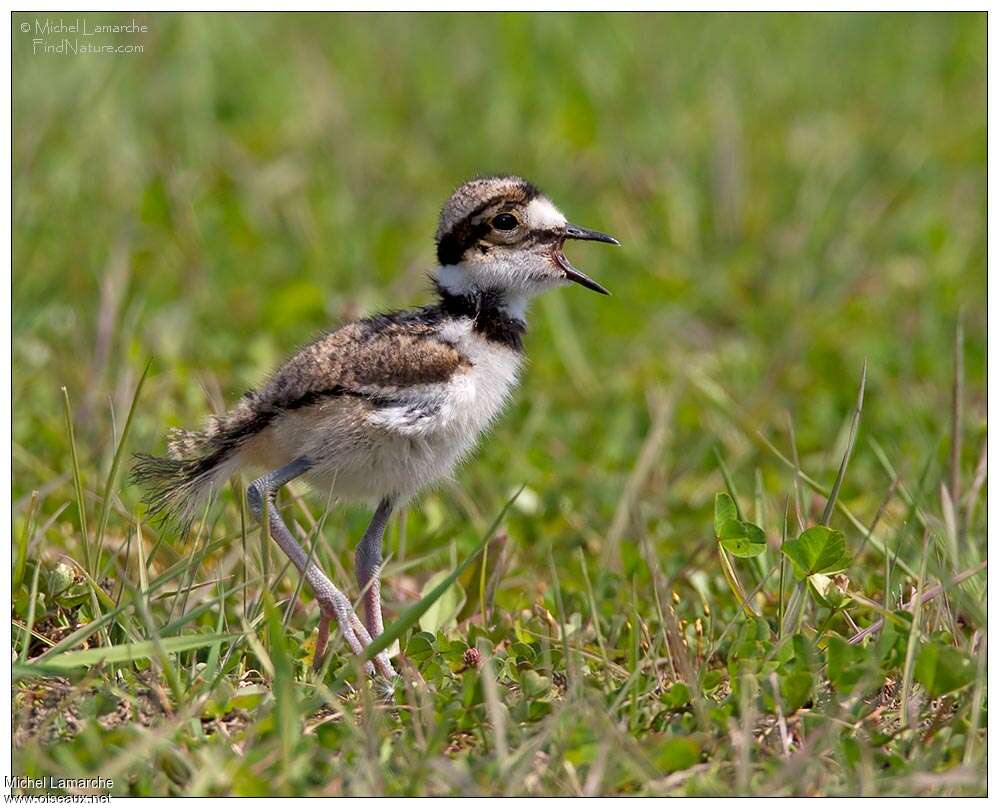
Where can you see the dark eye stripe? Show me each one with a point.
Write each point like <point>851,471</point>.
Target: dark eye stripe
<point>464,234</point>
<point>543,237</point>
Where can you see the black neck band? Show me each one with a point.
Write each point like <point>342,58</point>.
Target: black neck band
<point>485,308</point>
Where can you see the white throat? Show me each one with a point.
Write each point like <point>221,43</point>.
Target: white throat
<point>456,281</point>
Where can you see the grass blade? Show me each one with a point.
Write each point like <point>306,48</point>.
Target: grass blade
<point>201,609</point>
<point>799,497</point>
<point>22,544</point>
<point>81,506</point>
<point>123,653</point>
<point>285,697</point>
<point>910,651</point>
<point>854,425</point>
<point>783,559</point>
<point>595,616</point>
<point>729,484</point>
<point>113,472</point>
<point>31,612</point>
<point>560,609</point>
<point>957,412</point>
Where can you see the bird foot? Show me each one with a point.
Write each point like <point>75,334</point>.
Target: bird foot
<point>357,638</point>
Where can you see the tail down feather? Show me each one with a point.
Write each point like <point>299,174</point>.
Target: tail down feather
<point>179,487</point>
<point>177,490</point>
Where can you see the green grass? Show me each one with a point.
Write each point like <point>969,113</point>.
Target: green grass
<point>797,196</point>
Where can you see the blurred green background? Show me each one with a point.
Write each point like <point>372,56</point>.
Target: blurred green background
<point>795,194</point>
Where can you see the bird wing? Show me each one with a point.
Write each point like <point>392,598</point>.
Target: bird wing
<point>379,359</point>
<point>376,359</point>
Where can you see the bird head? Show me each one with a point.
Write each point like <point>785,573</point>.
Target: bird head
<point>502,234</point>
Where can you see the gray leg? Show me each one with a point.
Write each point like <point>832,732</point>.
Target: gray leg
<point>334,604</point>
<point>368,560</point>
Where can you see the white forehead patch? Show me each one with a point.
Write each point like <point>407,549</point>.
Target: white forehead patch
<point>542,215</point>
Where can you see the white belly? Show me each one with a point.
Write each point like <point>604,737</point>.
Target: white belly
<point>441,424</point>
<point>401,449</point>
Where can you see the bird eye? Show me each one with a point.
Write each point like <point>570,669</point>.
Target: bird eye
<point>505,221</point>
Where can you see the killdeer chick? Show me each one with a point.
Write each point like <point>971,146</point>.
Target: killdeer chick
<point>382,407</point>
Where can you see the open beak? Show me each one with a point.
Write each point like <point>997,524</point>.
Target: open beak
<point>571,273</point>
<point>584,235</point>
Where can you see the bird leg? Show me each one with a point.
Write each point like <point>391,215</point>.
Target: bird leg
<point>368,560</point>
<point>333,603</point>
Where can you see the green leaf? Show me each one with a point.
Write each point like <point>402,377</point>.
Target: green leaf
<point>248,697</point>
<point>677,753</point>
<point>845,664</point>
<point>420,647</point>
<point>535,685</point>
<point>442,612</point>
<point>741,538</point>
<point>711,680</point>
<point>940,669</point>
<point>725,511</point>
<point>738,537</point>
<point>803,650</point>
<point>817,550</point>
<point>795,689</point>
<point>829,591</point>
<point>677,695</point>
